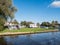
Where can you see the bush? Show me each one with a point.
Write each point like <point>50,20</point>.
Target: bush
<point>1,27</point>
<point>2,21</point>
<point>51,28</point>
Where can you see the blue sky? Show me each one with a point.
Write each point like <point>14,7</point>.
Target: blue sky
<point>36,10</point>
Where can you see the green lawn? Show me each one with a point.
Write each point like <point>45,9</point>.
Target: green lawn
<point>26,30</point>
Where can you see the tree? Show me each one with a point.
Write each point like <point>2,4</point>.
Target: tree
<point>23,23</point>
<point>45,24</point>
<point>2,20</point>
<point>6,11</point>
<point>26,23</point>
<point>15,22</point>
<point>38,24</point>
<point>54,23</point>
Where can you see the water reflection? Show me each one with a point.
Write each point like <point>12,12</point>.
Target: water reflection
<point>32,39</point>
<point>2,41</point>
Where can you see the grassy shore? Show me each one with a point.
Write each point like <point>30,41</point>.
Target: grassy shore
<point>26,31</point>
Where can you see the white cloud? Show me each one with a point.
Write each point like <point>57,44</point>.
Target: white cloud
<point>55,4</point>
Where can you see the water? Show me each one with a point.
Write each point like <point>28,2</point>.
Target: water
<point>32,39</point>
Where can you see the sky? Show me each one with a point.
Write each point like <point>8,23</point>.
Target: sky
<point>37,10</point>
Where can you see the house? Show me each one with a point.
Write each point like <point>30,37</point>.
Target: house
<point>33,26</point>
<point>11,26</point>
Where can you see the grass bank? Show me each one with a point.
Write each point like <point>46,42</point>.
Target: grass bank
<point>26,31</point>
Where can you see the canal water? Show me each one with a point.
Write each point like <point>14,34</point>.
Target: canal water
<point>51,38</point>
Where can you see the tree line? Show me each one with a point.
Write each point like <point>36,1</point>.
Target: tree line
<point>47,24</point>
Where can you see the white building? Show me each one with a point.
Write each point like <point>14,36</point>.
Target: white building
<point>33,26</point>
<point>12,26</point>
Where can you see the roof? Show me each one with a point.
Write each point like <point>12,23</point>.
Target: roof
<point>9,23</point>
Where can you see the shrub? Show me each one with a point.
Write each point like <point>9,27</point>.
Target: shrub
<point>51,28</point>
<point>1,27</point>
<point>2,21</point>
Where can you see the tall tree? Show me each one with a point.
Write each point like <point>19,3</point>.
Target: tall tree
<point>6,10</point>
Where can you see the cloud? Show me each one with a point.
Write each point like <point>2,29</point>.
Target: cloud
<point>55,4</point>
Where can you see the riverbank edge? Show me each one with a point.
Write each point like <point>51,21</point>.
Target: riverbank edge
<point>24,33</point>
